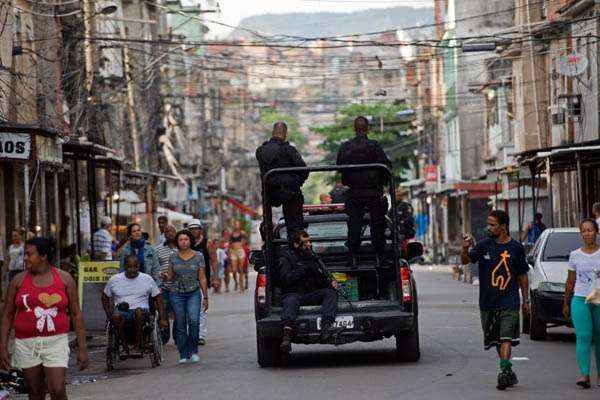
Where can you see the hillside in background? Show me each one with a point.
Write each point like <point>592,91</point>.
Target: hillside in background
<point>330,24</point>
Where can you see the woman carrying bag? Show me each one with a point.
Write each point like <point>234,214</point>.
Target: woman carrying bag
<point>583,295</point>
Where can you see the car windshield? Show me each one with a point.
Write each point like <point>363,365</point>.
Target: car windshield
<point>559,245</point>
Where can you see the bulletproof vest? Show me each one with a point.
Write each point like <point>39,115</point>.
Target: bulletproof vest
<point>273,155</point>
<point>361,150</point>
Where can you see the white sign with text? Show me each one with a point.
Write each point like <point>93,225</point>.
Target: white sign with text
<point>15,145</point>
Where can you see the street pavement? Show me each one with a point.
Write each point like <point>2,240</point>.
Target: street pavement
<point>453,363</point>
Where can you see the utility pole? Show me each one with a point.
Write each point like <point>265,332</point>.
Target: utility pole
<point>135,135</point>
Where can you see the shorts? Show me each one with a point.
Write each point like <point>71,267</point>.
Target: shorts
<point>49,351</point>
<point>129,314</point>
<point>237,254</point>
<point>500,326</point>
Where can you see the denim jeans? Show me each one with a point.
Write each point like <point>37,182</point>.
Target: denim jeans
<point>186,307</point>
<point>202,321</point>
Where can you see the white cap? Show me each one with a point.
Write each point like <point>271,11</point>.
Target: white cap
<point>195,223</point>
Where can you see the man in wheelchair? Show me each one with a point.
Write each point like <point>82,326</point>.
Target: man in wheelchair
<point>126,303</point>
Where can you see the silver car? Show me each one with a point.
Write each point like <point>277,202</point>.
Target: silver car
<point>548,260</point>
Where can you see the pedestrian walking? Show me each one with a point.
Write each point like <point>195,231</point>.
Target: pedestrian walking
<point>189,293</point>
<point>237,256</point>
<point>163,221</point>
<point>283,189</point>
<point>164,252</point>
<point>533,230</point>
<point>596,212</point>
<point>583,278</point>
<point>502,271</point>
<point>15,257</point>
<point>41,300</point>
<point>200,245</point>
<point>102,241</point>
<point>140,248</point>
<point>224,271</point>
<point>366,190</point>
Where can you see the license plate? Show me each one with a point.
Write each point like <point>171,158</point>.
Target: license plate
<point>343,321</point>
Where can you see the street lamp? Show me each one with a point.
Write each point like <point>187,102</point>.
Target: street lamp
<point>106,7</point>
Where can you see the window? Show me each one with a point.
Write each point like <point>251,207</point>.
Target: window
<point>560,245</point>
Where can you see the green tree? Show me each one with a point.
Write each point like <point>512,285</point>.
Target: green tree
<point>399,148</point>
<point>269,116</point>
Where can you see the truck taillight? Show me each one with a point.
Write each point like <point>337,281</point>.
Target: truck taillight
<point>261,289</point>
<point>405,282</point>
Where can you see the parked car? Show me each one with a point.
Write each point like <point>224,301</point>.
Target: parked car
<point>548,260</point>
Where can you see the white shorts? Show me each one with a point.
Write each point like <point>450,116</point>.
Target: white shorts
<point>49,351</point>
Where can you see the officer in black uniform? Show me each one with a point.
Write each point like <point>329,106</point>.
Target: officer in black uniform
<point>304,281</point>
<point>405,220</point>
<point>283,189</point>
<point>366,188</point>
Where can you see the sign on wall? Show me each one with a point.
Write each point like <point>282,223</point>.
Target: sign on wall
<point>15,145</point>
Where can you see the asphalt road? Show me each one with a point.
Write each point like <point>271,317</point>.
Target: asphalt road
<point>453,364</point>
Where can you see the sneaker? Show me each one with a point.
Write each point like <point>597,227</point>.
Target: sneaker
<point>503,381</point>
<point>194,359</point>
<point>475,282</point>
<point>201,341</point>
<point>183,360</point>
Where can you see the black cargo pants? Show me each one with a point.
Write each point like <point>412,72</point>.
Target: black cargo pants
<point>291,302</point>
<point>356,208</point>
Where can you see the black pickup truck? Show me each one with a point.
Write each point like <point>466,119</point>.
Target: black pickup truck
<point>375,303</point>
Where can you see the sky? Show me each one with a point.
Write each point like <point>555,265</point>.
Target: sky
<point>233,11</point>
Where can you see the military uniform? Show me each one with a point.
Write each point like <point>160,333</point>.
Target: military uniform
<point>284,189</point>
<point>366,190</point>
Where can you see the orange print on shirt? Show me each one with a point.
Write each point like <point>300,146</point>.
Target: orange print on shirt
<point>498,279</point>
<point>49,300</point>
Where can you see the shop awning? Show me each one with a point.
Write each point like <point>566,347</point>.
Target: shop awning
<point>477,190</point>
<point>564,158</point>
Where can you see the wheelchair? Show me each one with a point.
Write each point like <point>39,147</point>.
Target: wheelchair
<point>151,337</point>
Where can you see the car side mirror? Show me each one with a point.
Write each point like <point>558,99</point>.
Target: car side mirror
<point>257,259</point>
<point>414,251</point>
<point>531,260</point>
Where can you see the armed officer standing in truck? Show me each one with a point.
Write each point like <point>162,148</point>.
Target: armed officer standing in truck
<point>366,188</point>
<point>304,280</point>
<point>283,189</point>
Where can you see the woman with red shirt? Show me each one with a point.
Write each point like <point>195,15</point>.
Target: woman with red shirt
<point>41,300</point>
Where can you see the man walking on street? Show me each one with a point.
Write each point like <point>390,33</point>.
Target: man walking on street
<point>283,189</point>
<point>201,246</point>
<point>502,271</point>
<point>164,251</point>
<point>366,189</point>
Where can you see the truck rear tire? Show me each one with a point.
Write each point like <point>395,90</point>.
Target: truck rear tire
<point>268,352</point>
<point>407,345</point>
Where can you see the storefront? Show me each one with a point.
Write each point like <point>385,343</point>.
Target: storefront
<point>30,164</point>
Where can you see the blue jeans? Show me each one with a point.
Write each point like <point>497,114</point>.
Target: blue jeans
<point>186,307</point>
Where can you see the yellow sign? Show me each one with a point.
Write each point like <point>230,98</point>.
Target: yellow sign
<point>95,272</point>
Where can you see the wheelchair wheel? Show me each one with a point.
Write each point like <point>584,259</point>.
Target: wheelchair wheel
<point>112,347</point>
<point>157,354</point>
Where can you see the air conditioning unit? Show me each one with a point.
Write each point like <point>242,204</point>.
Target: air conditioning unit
<point>558,114</point>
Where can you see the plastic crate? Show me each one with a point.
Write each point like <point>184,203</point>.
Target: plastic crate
<point>349,289</point>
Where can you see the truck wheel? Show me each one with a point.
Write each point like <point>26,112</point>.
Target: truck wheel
<point>537,327</point>
<point>407,345</point>
<point>268,352</point>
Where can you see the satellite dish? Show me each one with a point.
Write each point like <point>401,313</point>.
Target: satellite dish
<point>573,64</point>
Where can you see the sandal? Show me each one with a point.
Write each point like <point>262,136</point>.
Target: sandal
<point>584,384</point>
